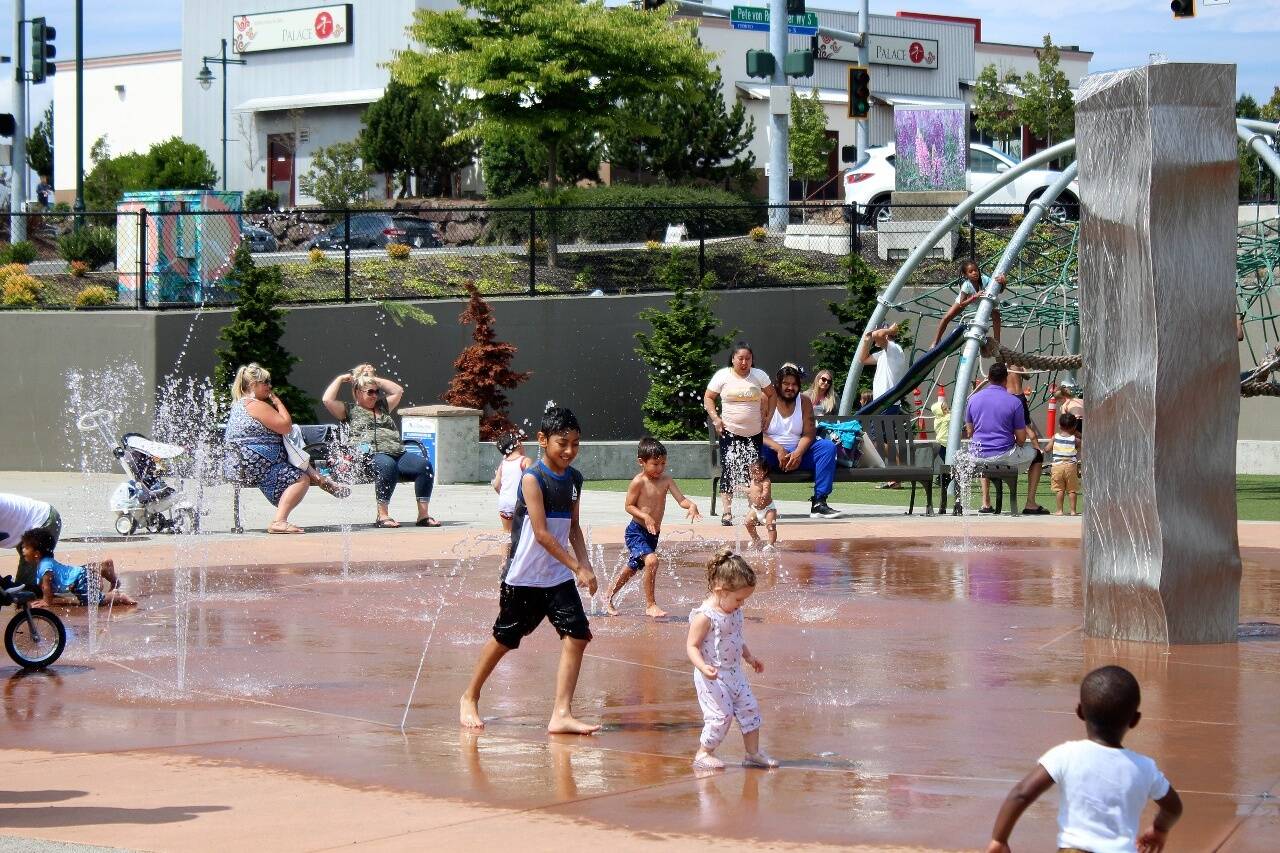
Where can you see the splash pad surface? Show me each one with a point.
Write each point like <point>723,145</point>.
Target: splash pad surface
<point>909,682</point>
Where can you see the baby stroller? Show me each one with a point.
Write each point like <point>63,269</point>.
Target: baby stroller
<point>145,500</point>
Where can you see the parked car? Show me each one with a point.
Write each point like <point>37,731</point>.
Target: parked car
<point>376,230</point>
<point>259,239</point>
<point>870,185</point>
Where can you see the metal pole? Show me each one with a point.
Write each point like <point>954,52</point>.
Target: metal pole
<point>346,255</point>
<point>778,117</point>
<point>223,54</point>
<point>79,202</point>
<point>18,200</point>
<point>142,258</point>
<point>702,247</point>
<point>533,224</point>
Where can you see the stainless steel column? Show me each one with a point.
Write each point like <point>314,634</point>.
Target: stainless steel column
<point>1158,174</point>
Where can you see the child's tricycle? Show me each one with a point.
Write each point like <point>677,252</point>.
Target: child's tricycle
<point>35,637</point>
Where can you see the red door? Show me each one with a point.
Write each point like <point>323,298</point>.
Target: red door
<point>280,147</point>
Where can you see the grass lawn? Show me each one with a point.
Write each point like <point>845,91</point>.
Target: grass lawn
<point>1257,496</point>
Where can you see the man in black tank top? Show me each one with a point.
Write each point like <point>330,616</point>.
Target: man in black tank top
<point>791,440</point>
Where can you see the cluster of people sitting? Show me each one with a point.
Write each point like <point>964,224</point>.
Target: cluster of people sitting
<point>261,453</point>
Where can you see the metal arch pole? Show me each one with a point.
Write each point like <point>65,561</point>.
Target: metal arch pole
<point>1255,135</point>
<point>977,328</point>
<point>953,218</point>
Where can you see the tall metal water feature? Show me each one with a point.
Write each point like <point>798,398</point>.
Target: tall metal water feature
<point>1158,176</point>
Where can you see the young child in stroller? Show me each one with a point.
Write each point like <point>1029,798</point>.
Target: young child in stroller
<point>146,498</point>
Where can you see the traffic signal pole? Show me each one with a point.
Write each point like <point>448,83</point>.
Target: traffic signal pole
<point>18,195</point>
<point>861,136</point>
<point>779,116</point>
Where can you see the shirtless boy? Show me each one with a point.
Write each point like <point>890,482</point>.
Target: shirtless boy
<point>646,504</point>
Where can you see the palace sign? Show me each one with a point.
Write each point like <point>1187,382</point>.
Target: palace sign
<point>884,50</point>
<point>313,27</point>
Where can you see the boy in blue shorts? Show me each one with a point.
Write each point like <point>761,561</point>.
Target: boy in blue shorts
<point>538,579</point>
<point>1104,786</point>
<point>646,504</point>
<point>56,578</point>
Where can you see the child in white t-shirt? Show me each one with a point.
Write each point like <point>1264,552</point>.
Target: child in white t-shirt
<point>1104,785</point>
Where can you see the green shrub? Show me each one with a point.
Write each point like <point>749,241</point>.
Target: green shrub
<point>257,201</point>
<point>95,245</point>
<point>656,207</point>
<point>22,252</point>
<point>94,296</point>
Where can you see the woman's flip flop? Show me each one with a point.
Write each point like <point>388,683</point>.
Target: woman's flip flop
<point>427,522</point>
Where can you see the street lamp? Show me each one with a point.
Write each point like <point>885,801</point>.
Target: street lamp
<point>205,78</point>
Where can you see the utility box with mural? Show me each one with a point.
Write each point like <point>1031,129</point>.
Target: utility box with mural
<point>181,248</point>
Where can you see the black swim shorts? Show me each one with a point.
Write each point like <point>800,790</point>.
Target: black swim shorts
<point>521,609</point>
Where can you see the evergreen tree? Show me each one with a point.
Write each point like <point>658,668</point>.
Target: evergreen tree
<point>483,370</point>
<point>40,145</point>
<point>414,130</point>
<point>254,334</point>
<point>1247,107</point>
<point>680,353</point>
<point>687,135</point>
<point>834,351</point>
<point>807,142</point>
<point>337,178</point>
<point>516,161</point>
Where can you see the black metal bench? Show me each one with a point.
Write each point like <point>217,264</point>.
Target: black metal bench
<point>897,448</point>
<point>1001,476</point>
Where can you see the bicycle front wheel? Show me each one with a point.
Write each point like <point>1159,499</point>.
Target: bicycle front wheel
<point>38,648</point>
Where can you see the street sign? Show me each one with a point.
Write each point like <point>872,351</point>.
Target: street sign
<point>757,18</point>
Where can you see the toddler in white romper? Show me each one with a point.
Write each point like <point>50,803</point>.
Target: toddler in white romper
<point>718,652</point>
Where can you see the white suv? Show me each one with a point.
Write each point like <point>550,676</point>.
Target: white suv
<point>871,185</point>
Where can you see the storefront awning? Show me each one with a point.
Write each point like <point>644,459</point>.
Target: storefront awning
<point>302,102</point>
<point>760,92</point>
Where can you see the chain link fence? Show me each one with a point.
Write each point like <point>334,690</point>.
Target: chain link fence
<point>168,259</point>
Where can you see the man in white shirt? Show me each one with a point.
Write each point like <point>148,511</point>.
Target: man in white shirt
<point>891,365</point>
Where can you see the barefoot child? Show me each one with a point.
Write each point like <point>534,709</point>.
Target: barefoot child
<point>1065,473</point>
<point>506,480</point>
<point>646,504</point>
<point>1104,785</point>
<point>760,506</point>
<point>717,650</point>
<point>538,579</point>
<point>56,578</point>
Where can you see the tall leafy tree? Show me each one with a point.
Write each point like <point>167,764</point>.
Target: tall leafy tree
<point>168,165</point>
<point>995,103</point>
<point>40,145</point>
<point>1270,111</point>
<point>679,353</point>
<point>415,130</point>
<point>1247,107</point>
<point>688,135</point>
<point>483,371</point>
<point>807,142</point>
<point>254,335</point>
<point>517,161</point>
<point>549,68</point>
<point>1047,107</point>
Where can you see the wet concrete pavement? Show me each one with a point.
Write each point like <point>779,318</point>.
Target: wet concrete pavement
<point>910,681</point>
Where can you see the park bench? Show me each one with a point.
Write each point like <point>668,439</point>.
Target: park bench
<point>1001,476</point>
<point>898,450</point>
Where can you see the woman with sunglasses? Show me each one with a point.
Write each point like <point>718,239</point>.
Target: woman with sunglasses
<point>375,433</point>
<point>822,393</point>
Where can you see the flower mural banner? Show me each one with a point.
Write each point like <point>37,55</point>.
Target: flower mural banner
<point>931,148</point>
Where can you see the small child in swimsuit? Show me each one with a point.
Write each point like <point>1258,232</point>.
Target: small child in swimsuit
<point>760,506</point>
<point>56,578</point>
<point>647,504</point>
<point>506,480</point>
<point>717,651</point>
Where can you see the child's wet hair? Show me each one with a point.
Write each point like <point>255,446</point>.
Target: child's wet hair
<point>1068,421</point>
<point>729,571</point>
<point>966,264</point>
<point>40,539</point>
<point>650,448</point>
<point>507,442</point>
<point>557,420</point>
<point>1109,697</point>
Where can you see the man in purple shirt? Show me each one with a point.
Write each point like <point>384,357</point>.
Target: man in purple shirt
<point>996,425</point>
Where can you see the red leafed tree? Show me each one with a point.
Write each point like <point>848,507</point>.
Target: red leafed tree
<point>483,371</point>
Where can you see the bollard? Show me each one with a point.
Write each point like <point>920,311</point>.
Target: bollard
<point>918,401</point>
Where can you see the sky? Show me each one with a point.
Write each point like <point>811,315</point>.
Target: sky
<point>1121,33</point>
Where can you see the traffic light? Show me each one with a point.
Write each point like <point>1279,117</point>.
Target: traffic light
<point>42,50</point>
<point>859,91</point>
<point>1183,8</point>
<point>799,63</point>
<point>760,63</point>
<point>795,7</point>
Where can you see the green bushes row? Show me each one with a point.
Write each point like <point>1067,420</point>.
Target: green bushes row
<point>704,211</point>
<point>21,252</point>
